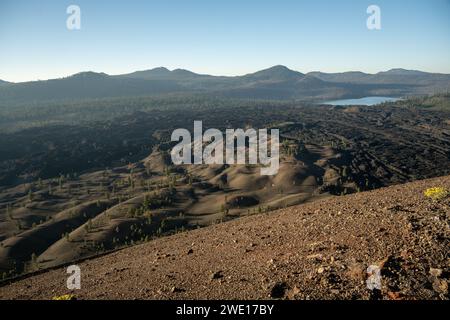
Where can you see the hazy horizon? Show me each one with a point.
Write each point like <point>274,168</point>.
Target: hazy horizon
<point>215,75</point>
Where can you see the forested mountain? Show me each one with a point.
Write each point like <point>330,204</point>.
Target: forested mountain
<point>277,82</point>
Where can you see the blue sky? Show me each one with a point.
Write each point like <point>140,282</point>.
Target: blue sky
<point>221,37</point>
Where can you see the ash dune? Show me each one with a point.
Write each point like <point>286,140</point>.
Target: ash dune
<point>144,197</point>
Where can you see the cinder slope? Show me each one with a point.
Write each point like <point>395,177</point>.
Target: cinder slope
<point>319,250</point>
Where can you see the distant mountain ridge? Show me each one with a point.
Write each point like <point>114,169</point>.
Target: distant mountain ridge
<point>277,82</point>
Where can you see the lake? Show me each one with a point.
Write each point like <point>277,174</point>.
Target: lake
<point>366,101</point>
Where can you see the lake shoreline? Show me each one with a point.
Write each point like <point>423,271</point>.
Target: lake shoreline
<point>365,101</point>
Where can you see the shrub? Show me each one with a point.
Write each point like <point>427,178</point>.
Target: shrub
<point>64,297</point>
<point>436,193</point>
